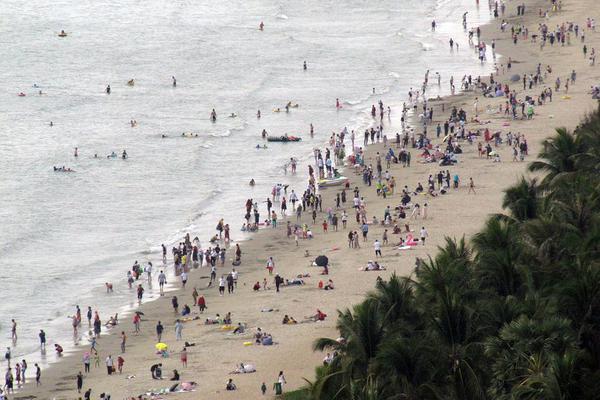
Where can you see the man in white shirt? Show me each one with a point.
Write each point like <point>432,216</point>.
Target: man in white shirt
<point>184,278</point>
<point>424,235</point>
<point>109,364</point>
<point>234,274</point>
<point>377,246</point>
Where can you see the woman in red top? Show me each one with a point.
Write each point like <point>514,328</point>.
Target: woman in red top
<point>201,304</point>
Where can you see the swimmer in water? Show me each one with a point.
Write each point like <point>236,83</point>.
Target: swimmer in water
<point>108,89</point>
<point>261,26</point>
<point>232,115</point>
<point>213,115</point>
<point>124,155</point>
<point>252,183</point>
<point>305,67</point>
<point>258,114</point>
<point>163,136</point>
<point>75,154</point>
<point>62,33</point>
<point>51,123</point>
<point>174,81</point>
<point>264,133</point>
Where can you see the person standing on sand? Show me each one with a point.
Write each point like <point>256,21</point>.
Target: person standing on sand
<point>424,235</point>
<point>38,375</point>
<point>136,323</point>
<point>178,330</point>
<point>184,278</point>
<point>123,341</point>
<point>183,357</point>
<point>221,285</point>
<point>79,382</point>
<point>89,316</point>
<point>109,364</point>
<point>162,280</point>
<point>471,186</point>
<point>377,246</point>
<point>159,331</point>
<point>201,304</point>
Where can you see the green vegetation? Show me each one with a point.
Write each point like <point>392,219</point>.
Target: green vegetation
<point>513,315</point>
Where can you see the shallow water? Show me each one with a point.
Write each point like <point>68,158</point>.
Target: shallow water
<point>63,235</point>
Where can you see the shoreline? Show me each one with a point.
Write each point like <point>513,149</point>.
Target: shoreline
<point>349,295</point>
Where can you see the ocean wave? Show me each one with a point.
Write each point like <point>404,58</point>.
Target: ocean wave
<point>281,16</point>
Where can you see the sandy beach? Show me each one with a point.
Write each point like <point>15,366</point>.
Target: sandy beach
<point>458,213</point>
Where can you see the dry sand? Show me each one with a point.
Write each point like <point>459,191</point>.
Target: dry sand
<point>216,353</point>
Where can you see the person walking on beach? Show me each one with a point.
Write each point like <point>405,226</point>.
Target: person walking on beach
<point>159,331</point>
<point>424,235</point>
<point>38,375</point>
<point>471,186</point>
<point>109,364</point>
<point>201,304</point>
<point>184,279</point>
<point>162,280</point>
<point>89,316</point>
<point>86,362</point>
<point>221,285</point>
<point>14,330</point>
<point>123,341</point>
<point>377,246</point>
<point>79,382</point>
<point>183,357</point>
<point>136,323</point>
<point>175,304</point>
<point>42,336</point>
<point>178,330</point>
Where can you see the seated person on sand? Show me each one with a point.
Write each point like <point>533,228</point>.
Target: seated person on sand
<point>175,376</point>
<point>288,320</point>
<point>419,188</point>
<point>256,286</point>
<point>319,316</point>
<point>212,321</point>
<point>227,319</point>
<point>258,335</point>
<point>186,310</point>
<point>329,285</point>
<point>432,192</point>
<point>240,329</point>
<point>230,385</point>
<point>156,371</point>
<point>58,348</point>
<point>244,369</point>
<point>375,267</point>
<point>295,281</point>
<point>397,229</point>
<point>267,340</point>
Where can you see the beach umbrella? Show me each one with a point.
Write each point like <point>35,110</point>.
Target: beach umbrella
<point>322,261</point>
<point>139,313</point>
<point>161,346</point>
<point>515,78</point>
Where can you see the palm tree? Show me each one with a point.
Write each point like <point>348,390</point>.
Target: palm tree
<point>498,251</point>
<point>557,160</point>
<point>522,199</point>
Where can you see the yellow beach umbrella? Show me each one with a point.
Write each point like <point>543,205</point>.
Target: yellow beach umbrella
<point>161,346</point>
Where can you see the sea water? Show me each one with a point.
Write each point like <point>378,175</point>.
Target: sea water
<point>62,235</point>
